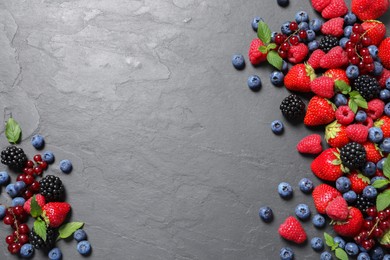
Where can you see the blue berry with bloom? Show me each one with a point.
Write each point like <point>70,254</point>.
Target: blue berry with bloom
<point>66,166</point>
<point>84,247</point>
<point>38,141</point>
<point>254,82</point>
<point>238,61</point>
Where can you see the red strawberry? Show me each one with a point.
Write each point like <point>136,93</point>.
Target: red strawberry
<point>375,30</point>
<point>310,144</point>
<point>373,153</point>
<point>337,209</point>
<point>322,195</point>
<point>320,5</point>
<point>336,8</point>
<point>315,58</point>
<point>327,165</point>
<point>336,135</point>
<point>383,77</point>
<point>375,108</point>
<point>384,124</point>
<point>369,9</point>
<point>344,115</point>
<point>298,78</point>
<point>255,56</point>
<point>56,212</point>
<point>297,53</point>
<point>352,226</point>
<point>358,182</point>
<point>320,111</point>
<point>292,230</point>
<point>40,200</point>
<point>323,87</point>
<point>357,133</point>
<point>337,74</point>
<point>335,58</point>
<point>334,26</point>
<point>384,52</point>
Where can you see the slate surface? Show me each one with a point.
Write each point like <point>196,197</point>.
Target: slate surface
<point>172,153</point>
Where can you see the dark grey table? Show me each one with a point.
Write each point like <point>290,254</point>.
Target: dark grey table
<point>173,154</point>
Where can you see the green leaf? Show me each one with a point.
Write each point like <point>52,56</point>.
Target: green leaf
<point>341,254</point>
<point>380,183</point>
<point>36,210</point>
<point>271,46</point>
<point>342,86</point>
<point>361,103</point>
<point>12,131</point>
<point>336,162</point>
<point>383,200</point>
<point>352,105</point>
<point>275,60</point>
<point>386,167</point>
<point>263,49</point>
<point>68,229</point>
<point>329,239</point>
<point>358,99</point>
<point>40,228</point>
<point>263,32</point>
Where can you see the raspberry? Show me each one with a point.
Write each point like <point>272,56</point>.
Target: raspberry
<point>375,108</point>
<point>292,107</point>
<point>353,155</point>
<point>345,115</point>
<point>14,157</point>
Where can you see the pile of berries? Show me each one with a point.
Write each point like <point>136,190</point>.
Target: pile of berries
<point>342,64</point>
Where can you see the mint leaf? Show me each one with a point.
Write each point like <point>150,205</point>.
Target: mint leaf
<point>271,46</point>
<point>263,32</point>
<point>275,60</point>
<point>40,228</point>
<point>36,210</point>
<point>342,86</point>
<point>12,131</point>
<point>386,167</point>
<point>383,200</point>
<point>380,183</point>
<point>352,105</point>
<point>358,99</point>
<point>329,239</point>
<point>263,49</point>
<point>341,254</point>
<point>68,229</point>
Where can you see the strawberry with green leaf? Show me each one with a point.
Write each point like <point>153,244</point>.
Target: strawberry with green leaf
<point>384,124</point>
<point>299,77</point>
<point>358,181</point>
<point>373,153</point>
<point>327,166</point>
<point>336,135</point>
<point>352,226</point>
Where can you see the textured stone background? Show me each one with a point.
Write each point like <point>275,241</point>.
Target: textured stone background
<point>172,153</point>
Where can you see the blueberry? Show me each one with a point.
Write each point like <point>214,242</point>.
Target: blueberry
<point>379,165</point>
<point>350,18</point>
<point>348,31</point>
<point>317,244</point>
<point>313,45</point>
<point>388,83</point>
<point>286,253</point>
<point>361,116</point>
<point>378,68</point>
<point>341,242</point>
<point>266,214</point>
<point>375,134</point>
<point>55,254</point>
<point>306,185</point>
<point>19,186</point>
<point>255,23</point>
<point>277,127</point>
<point>326,256</point>
<point>10,189</point>
<point>385,145</point>
<point>254,83</point>
<point>238,61</point>
<point>384,94</point>
<point>311,35</point>
<point>377,253</point>
<point>277,78</point>
<point>285,190</point>
<point>37,141</point>
<point>18,201</point>
<point>350,196</point>
<point>343,184</point>
<point>26,251</point>
<point>373,51</point>
<point>4,178</point>
<point>84,247</point>
<point>387,109</point>
<point>369,169</point>
<point>283,3</point>
<point>2,211</point>
<point>285,28</point>
<point>80,235</point>
<point>284,67</point>
<point>386,257</point>
<point>301,16</point>
<point>363,256</point>
<point>352,71</point>
<point>340,100</point>
<point>318,221</point>
<point>369,192</point>
<point>351,249</point>
<point>303,26</point>
<point>48,157</point>
<point>315,25</point>
<point>66,166</point>
<point>302,211</point>
<point>343,41</point>
<point>273,35</point>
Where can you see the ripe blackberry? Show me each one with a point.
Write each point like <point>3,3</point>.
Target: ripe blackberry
<point>51,188</point>
<point>14,157</point>
<point>363,203</point>
<point>367,86</point>
<point>328,42</point>
<point>353,155</point>
<point>292,107</point>
<point>37,241</point>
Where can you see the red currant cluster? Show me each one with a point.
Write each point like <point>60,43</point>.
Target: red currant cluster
<point>16,218</point>
<point>284,42</point>
<point>374,227</point>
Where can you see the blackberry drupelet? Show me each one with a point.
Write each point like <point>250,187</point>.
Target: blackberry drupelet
<point>353,155</point>
<point>292,107</point>
<point>367,86</point>
<point>363,203</point>
<point>14,157</point>
<point>37,241</point>
<point>328,42</point>
<point>51,188</point>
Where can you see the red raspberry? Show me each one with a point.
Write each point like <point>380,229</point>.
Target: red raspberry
<point>357,133</point>
<point>255,56</point>
<point>368,123</point>
<point>335,58</point>
<point>345,115</point>
<point>315,58</point>
<point>297,53</point>
<point>375,108</point>
<point>333,27</point>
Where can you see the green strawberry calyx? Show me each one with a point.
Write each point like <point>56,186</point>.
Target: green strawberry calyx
<point>332,130</point>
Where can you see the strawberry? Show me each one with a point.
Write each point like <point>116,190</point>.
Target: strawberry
<point>369,9</point>
<point>299,77</point>
<point>335,135</point>
<point>292,230</point>
<point>334,26</point>
<point>297,53</point>
<point>337,74</point>
<point>327,166</point>
<point>255,56</point>
<point>337,209</point>
<point>335,58</point>
<point>315,58</point>
<point>357,133</point>
<point>358,182</point>
<point>55,213</point>
<point>323,87</point>
<point>322,195</point>
<point>310,144</point>
<point>383,77</point>
<point>320,5</point>
<point>373,153</point>
<point>40,200</point>
<point>384,124</point>
<point>320,111</point>
<point>384,52</point>
<point>335,9</point>
<point>352,226</point>
<point>375,30</point>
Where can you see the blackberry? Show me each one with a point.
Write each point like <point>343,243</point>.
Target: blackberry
<point>328,42</point>
<point>14,157</point>
<point>37,241</point>
<point>353,155</point>
<point>51,188</point>
<point>292,107</point>
<point>363,203</point>
<point>367,86</point>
